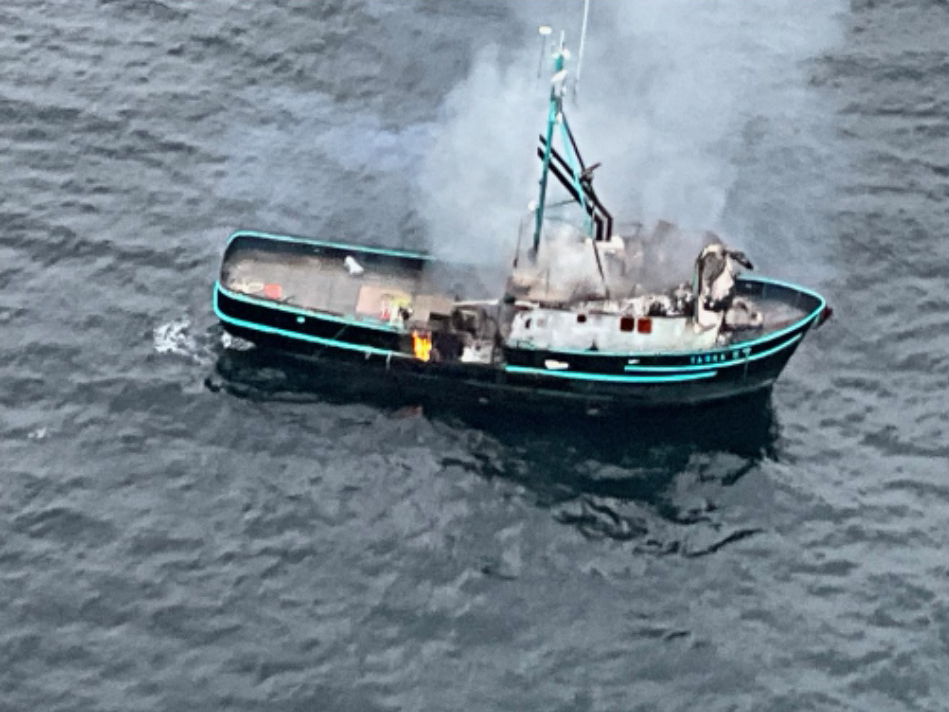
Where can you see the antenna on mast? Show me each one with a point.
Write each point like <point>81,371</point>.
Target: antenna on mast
<point>544,31</point>
<point>583,37</point>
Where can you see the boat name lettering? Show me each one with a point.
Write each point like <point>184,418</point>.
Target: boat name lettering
<point>734,355</point>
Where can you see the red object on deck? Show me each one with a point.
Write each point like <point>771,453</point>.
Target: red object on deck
<point>273,291</point>
<point>644,325</point>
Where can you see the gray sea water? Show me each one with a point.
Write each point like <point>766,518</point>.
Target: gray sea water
<point>183,527</point>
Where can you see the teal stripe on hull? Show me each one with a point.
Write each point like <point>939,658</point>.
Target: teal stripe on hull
<point>334,343</point>
<point>609,378</point>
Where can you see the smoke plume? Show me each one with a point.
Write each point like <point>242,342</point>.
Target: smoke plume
<point>693,106</point>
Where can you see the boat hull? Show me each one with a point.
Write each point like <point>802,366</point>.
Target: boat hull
<point>378,358</point>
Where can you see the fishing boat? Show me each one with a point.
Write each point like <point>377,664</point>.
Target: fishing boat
<point>578,324</point>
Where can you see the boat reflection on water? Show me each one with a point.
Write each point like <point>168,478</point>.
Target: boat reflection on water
<point>657,478</point>
<point>652,476</point>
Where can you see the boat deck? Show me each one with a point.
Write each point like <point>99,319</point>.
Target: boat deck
<point>308,281</point>
<point>323,283</point>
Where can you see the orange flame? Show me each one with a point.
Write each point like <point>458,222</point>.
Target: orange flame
<point>422,345</point>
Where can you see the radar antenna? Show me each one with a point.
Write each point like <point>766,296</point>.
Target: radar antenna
<point>583,41</point>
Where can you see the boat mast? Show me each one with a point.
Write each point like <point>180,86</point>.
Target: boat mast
<point>568,168</point>
<point>553,113</point>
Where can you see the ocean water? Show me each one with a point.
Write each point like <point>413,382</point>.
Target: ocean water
<point>183,525</point>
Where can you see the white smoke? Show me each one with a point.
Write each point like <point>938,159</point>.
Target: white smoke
<point>479,174</point>
<point>692,106</point>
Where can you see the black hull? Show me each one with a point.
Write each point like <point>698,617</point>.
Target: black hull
<point>340,378</point>
<point>409,380</point>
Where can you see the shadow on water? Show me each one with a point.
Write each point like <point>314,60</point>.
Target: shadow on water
<point>656,477</point>
<point>640,476</point>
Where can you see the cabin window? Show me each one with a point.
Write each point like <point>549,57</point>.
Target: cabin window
<point>626,323</point>
<point>527,323</point>
<point>644,326</point>
<point>581,318</point>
